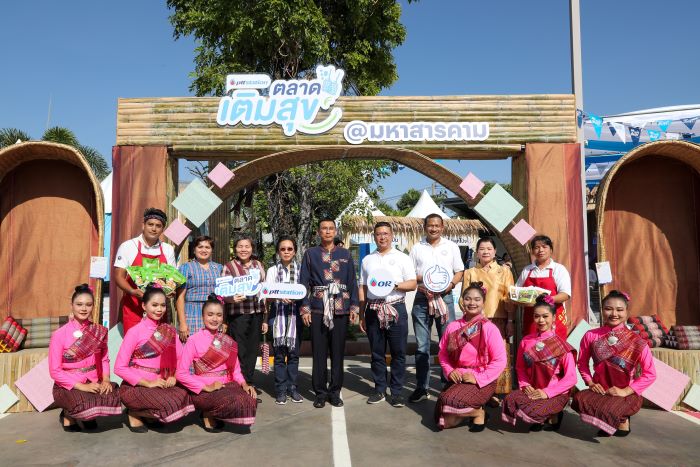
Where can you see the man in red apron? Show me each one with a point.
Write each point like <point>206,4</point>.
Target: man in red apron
<point>144,250</point>
<point>546,274</point>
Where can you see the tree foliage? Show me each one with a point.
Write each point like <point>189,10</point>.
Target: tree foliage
<point>409,199</point>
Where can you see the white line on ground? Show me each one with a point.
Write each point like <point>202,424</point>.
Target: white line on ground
<point>690,418</point>
<point>341,447</point>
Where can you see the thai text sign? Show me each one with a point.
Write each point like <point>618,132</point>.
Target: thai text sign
<point>229,286</point>
<point>357,131</point>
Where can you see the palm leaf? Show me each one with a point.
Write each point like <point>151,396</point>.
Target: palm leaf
<point>9,136</point>
<point>97,163</point>
<point>61,135</point>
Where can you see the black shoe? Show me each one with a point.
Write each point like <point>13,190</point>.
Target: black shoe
<point>397,401</point>
<point>136,429</point>
<point>418,395</point>
<point>153,423</point>
<point>296,397</point>
<point>74,428</point>
<point>258,400</point>
<point>536,427</point>
<point>281,399</point>
<point>555,426</point>
<point>623,433</point>
<point>376,398</point>
<point>214,429</point>
<point>336,401</point>
<point>320,402</point>
<point>602,434</point>
<point>479,428</point>
<point>90,424</point>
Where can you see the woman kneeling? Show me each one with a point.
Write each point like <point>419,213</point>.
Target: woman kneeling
<point>79,365</point>
<point>209,368</point>
<point>546,373</point>
<point>146,361</point>
<point>472,356</point>
<point>614,392</point>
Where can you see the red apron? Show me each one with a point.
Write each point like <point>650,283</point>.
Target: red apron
<point>132,313</point>
<point>547,283</point>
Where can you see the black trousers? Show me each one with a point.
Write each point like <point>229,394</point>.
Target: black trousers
<point>246,331</point>
<point>396,336</point>
<point>324,340</point>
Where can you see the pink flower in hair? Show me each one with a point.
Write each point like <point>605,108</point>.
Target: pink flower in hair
<point>626,295</point>
<point>483,289</point>
<point>91,289</point>
<point>220,299</point>
<point>156,285</point>
<point>548,300</point>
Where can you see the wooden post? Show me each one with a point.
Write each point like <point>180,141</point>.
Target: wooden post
<point>220,229</point>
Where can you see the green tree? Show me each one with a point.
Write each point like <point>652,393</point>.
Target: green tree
<point>488,184</point>
<point>97,163</point>
<point>287,39</point>
<point>409,199</point>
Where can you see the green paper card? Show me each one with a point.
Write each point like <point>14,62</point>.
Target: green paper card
<point>114,341</point>
<point>498,207</point>
<point>197,202</point>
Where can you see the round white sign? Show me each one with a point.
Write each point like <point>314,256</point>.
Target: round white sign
<point>436,278</point>
<point>380,283</point>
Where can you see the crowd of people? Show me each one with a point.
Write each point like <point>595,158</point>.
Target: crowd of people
<point>207,363</point>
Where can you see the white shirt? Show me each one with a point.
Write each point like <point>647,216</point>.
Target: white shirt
<point>397,263</point>
<point>445,253</point>
<point>271,276</point>
<point>559,273</point>
<point>126,254</point>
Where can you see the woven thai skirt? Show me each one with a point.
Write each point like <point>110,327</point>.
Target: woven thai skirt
<point>605,411</point>
<point>163,404</point>
<point>518,405</point>
<point>82,405</point>
<point>462,399</point>
<point>229,404</point>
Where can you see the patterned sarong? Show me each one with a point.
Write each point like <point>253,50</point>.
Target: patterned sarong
<point>518,405</point>
<point>163,404</point>
<point>605,411</point>
<point>436,305</point>
<point>230,404</point>
<point>387,314</point>
<point>82,405</point>
<point>462,399</point>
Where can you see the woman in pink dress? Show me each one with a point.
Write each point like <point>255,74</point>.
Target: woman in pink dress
<point>472,355</point>
<point>546,373</point>
<point>146,361</point>
<point>210,369</point>
<point>623,369</point>
<point>79,366</point>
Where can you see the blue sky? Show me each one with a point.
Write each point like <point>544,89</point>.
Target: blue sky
<point>83,55</point>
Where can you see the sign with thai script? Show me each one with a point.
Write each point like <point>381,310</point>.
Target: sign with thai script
<point>229,286</point>
<point>357,131</point>
<point>292,104</point>
<point>283,290</point>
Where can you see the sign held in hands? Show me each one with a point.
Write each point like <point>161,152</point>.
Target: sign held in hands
<point>229,286</point>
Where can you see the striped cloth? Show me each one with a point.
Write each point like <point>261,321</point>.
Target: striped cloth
<point>39,330</point>
<point>683,338</point>
<point>229,404</point>
<point>518,405</point>
<point>649,328</point>
<point>164,404</point>
<point>87,405</point>
<point>461,399</point>
<point>605,411</point>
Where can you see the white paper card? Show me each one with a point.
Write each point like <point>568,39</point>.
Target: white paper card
<point>604,273</point>
<point>98,267</point>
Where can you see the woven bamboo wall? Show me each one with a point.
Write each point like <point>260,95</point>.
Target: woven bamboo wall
<point>188,125</point>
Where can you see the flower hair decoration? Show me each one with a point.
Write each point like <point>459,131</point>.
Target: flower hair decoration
<point>626,295</point>
<point>220,299</point>
<point>548,300</point>
<point>155,285</point>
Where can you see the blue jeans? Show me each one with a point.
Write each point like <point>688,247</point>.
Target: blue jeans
<point>422,327</point>
<point>287,363</point>
<point>397,336</point>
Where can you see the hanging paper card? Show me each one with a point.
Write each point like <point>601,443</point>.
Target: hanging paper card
<point>197,202</point>
<point>7,398</point>
<point>37,386</point>
<point>221,175</point>
<point>114,341</point>
<point>98,267</point>
<point>667,387</point>
<point>471,185</point>
<point>603,272</point>
<point>177,231</point>
<point>522,232</point>
<point>498,207</point>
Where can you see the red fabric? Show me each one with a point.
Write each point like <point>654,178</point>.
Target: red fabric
<point>132,313</point>
<point>518,405</point>
<point>546,283</point>
<point>138,182</point>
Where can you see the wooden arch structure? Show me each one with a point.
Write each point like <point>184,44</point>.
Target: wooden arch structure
<point>649,229</point>
<point>51,223</point>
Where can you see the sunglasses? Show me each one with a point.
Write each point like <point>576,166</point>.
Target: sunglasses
<point>286,249</point>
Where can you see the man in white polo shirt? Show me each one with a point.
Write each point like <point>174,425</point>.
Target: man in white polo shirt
<point>384,318</point>
<point>140,251</point>
<point>438,263</point>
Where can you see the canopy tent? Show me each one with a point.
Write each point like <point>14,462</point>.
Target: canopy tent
<point>426,206</point>
<point>361,205</point>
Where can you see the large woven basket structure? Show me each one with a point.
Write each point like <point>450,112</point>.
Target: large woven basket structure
<point>51,280</point>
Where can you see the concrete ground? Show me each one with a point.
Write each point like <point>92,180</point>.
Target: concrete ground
<point>359,434</point>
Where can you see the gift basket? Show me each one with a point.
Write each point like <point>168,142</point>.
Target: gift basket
<point>163,275</point>
<point>526,295</point>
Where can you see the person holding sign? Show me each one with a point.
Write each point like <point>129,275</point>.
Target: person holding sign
<point>472,356</point>
<point>623,369</point>
<point>210,370</point>
<point>328,273</point>
<point>548,275</point>
<point>439,269</point>
<point>79,366</point>
<point>546,374</point>
<point>145,250</point>
<point>285,323</point>
<point>147,361</point>
<point>245,315</point>
<point>385,277</point>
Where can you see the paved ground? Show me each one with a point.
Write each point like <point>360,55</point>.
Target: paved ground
<point>359,434</point>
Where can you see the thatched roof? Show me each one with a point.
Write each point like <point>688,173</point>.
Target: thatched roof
<point>411,225</point>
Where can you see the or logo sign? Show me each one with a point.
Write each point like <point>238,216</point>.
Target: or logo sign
<point>283,290</point>
<point>229,286</point>
<point>436,278</point>
<point>247,81</point>
<point>292,104</point>
<point>357,131</point>
<point>380,283</point>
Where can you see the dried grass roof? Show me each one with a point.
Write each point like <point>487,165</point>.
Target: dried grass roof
<point>411,225</point>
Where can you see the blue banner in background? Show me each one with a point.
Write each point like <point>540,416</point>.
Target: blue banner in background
<point>664,124</point>
<point>635,133</point>
<point>597,123</point>
<point>653,135</point>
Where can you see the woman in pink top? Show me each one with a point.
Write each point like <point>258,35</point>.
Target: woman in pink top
<point>79,365</point>
<point>146,362</point>
<point>210,369</point>
<point>546,373</point>
<point>614,390</point>
<point>472,356</point>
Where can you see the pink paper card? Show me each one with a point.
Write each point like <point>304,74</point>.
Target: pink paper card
<point>221,175</point>
<point>471,185</point>
<point>522,232</point>
<point>668,386</point>
<point>37,386</point>
<point>177,231</point>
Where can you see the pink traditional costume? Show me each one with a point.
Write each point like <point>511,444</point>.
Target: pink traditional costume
<point>78,354</point>
<point>545,361</point>
<point>149,351</point>
<point>474,347</point>
<point>209,357</point>
<point>617,354</point>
